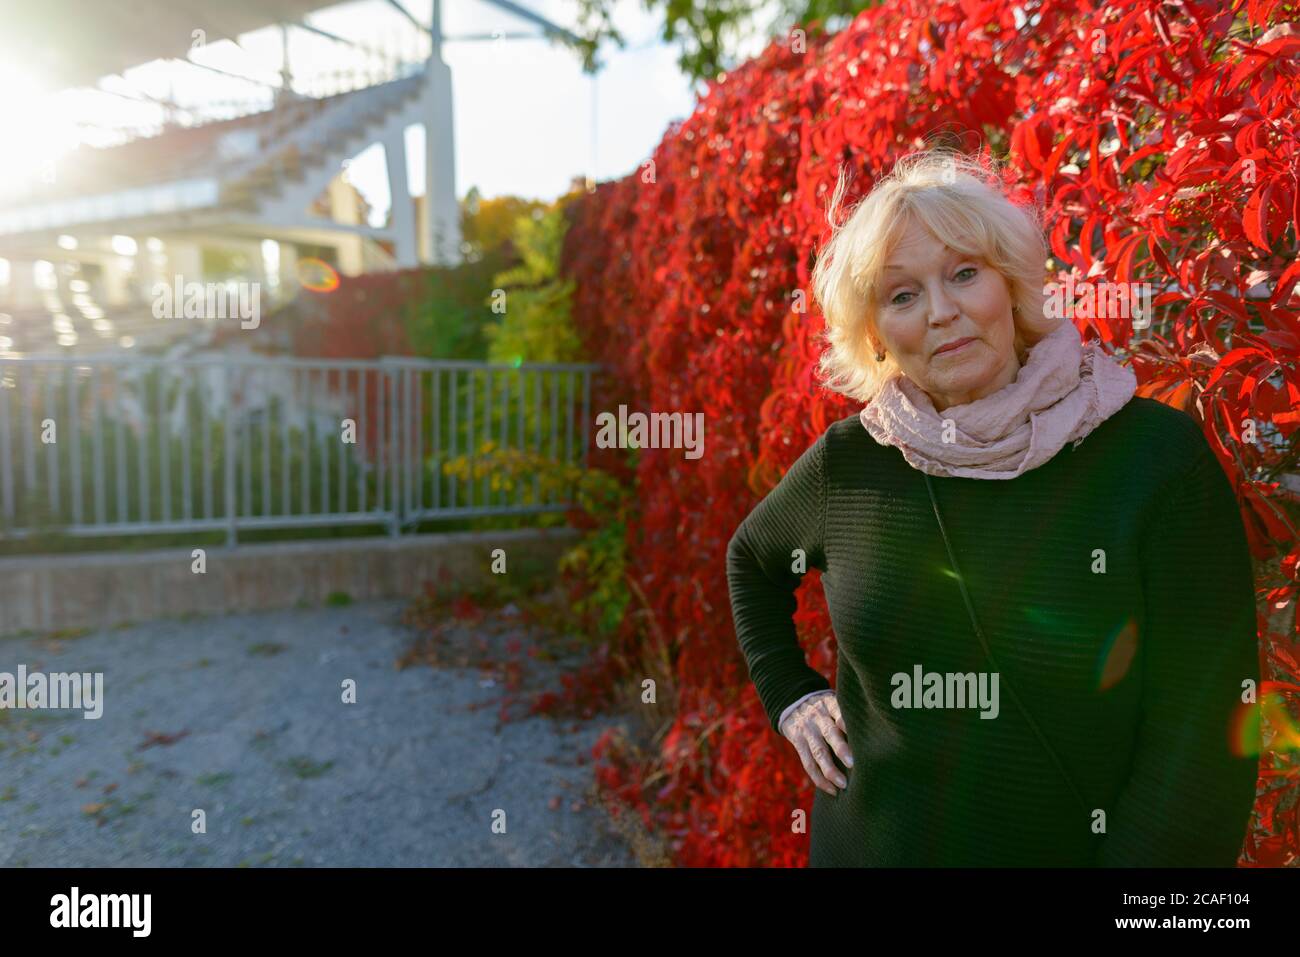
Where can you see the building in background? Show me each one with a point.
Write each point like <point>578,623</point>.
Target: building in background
<point>262,197</point>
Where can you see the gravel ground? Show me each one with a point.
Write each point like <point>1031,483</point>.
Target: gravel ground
<point>242,717</point>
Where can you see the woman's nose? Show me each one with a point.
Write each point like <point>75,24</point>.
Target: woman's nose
<point>942,306</point>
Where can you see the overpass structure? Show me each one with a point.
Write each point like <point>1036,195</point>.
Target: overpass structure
<point>243,198</point>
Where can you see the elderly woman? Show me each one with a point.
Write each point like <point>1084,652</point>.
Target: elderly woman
<point>1039,583</point>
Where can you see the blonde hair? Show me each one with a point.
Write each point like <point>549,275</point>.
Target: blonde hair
<point>961,200</point>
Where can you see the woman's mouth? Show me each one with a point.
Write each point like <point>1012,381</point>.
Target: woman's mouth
<point>954,346</point>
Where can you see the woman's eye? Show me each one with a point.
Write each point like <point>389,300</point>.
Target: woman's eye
<point>961,276</point>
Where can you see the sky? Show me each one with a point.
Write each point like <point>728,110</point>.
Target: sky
<point>527,118</point>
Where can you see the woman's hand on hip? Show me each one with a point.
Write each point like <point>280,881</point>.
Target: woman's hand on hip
<point>816,728</point>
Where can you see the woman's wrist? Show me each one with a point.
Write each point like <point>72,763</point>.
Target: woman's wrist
<point>790,709</point>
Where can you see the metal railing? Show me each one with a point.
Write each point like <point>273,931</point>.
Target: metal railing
<point>125,445</point>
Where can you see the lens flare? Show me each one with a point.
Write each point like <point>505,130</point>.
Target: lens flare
<point>1117,655</point>
<point>1243,731</point>
<point>317,275</point>
<point>1249,721</point>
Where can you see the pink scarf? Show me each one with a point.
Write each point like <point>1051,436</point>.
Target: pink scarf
<point>1063,391</point>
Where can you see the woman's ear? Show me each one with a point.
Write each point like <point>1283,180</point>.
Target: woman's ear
<point>873,343</point>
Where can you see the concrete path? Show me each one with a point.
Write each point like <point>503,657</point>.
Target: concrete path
<point>242,717</point>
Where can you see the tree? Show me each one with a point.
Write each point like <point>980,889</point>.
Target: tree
<point>487,224</point>
<point>710,33</point>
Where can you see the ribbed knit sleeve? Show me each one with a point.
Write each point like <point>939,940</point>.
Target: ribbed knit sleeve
<point>761,577</point>
<point>1188,799</point>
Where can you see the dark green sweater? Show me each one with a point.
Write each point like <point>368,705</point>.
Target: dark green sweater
<point>1134,675</point>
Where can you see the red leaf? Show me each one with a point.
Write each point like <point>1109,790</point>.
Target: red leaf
<point>1253,217</point>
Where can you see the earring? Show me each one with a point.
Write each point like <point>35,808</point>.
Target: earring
<point>880,357</point>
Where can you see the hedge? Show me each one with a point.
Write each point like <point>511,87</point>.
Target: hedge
<point>1161,140</point>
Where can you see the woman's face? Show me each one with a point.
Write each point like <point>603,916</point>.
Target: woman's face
<point>933,296</point>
